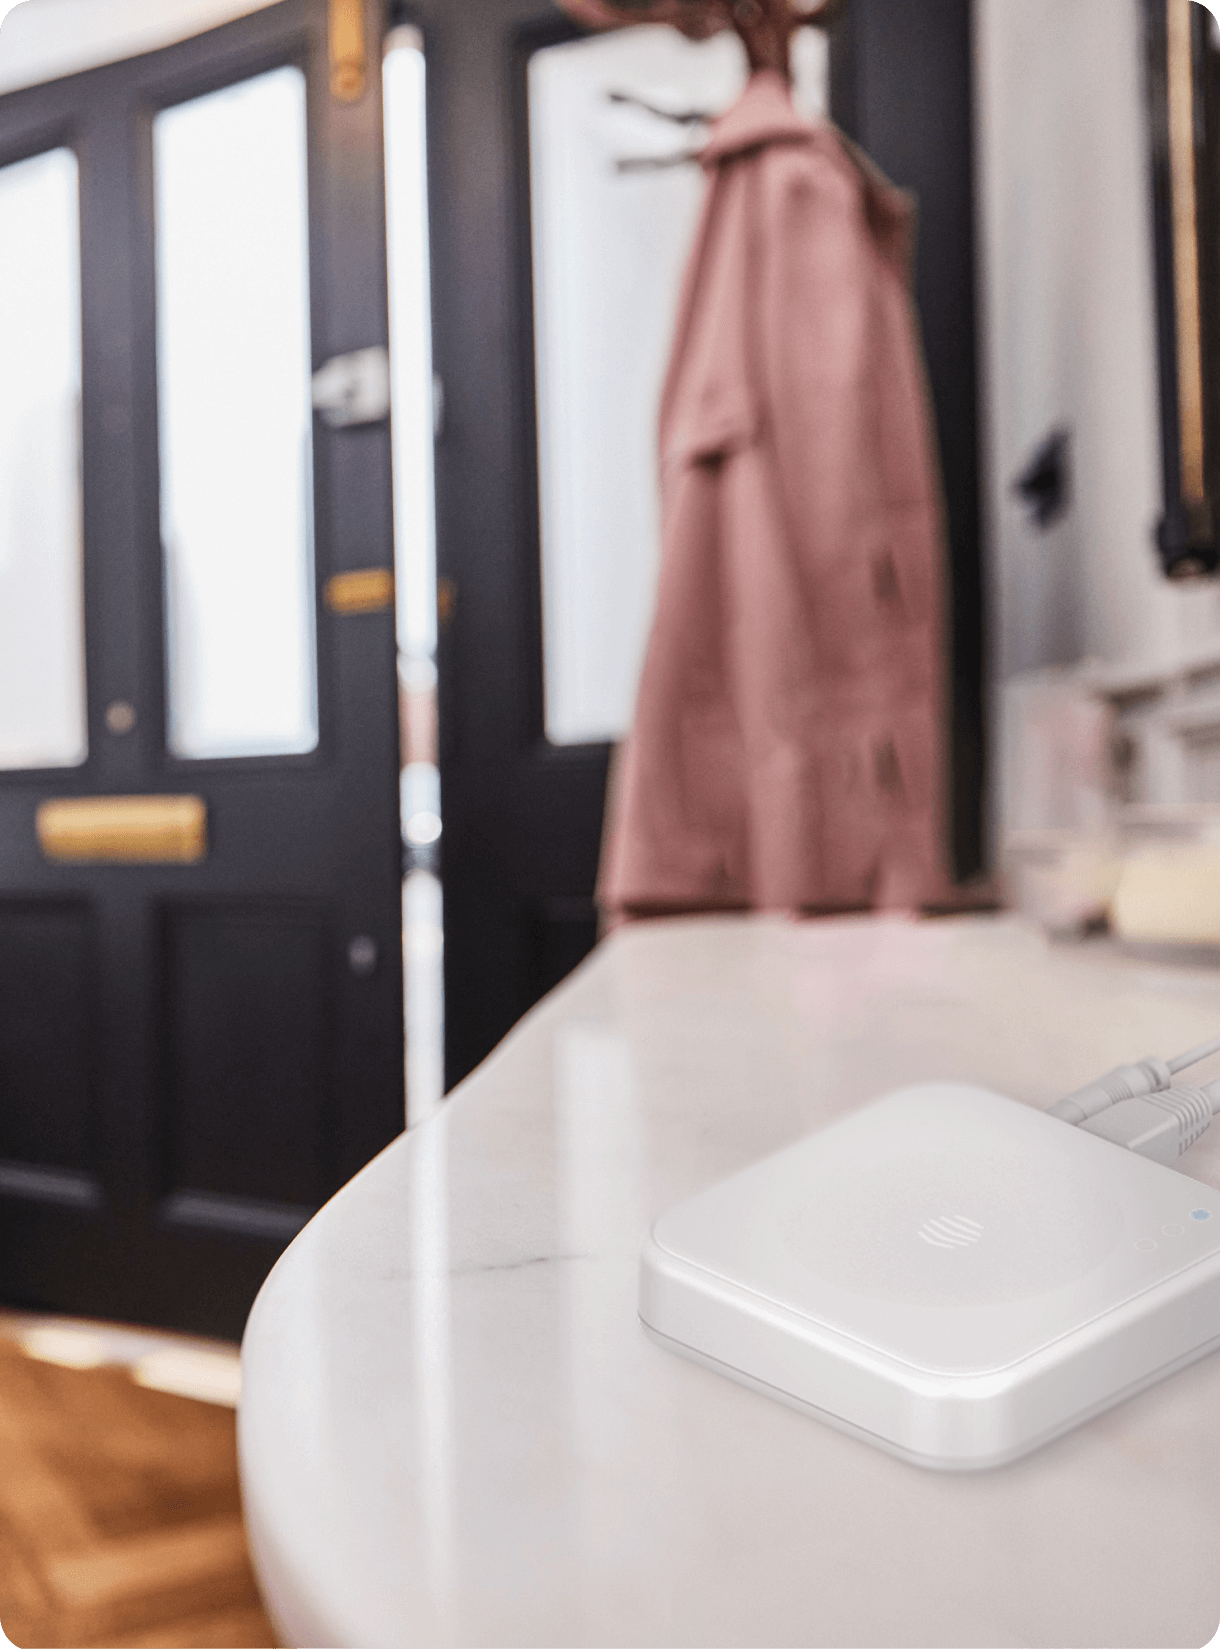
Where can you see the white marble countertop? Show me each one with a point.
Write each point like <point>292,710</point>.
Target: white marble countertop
<point>453,1430</point>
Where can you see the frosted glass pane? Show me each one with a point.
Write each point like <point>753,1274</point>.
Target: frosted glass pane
<point>233,363</point>
<point>42,666</point>
<point>610,245</point>
<point>410,342</point>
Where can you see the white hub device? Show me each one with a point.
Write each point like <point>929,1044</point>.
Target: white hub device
<point>946,1273</point>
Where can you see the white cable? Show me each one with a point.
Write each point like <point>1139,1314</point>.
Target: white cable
<point>1139,1078</point>
<point>1199,1053</point>
<point>1160,1126</point>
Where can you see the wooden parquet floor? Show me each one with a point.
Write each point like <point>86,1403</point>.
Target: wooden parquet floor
<point>120,1514</point>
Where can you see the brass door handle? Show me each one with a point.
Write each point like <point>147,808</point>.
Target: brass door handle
<point>360,591</point>
<point>127,830</point>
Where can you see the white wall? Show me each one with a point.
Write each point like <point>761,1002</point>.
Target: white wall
<point>609,251</point>
<point>1069,337</point>
<point>43,39</point>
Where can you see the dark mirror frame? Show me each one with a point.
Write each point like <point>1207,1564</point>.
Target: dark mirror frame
<point>1183,77</point>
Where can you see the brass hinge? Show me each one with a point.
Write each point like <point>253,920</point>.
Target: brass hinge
<point>348,53</point>
<point>1187,303</point>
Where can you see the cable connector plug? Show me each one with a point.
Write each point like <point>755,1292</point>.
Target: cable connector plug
<point>1138,1078</point>
<point>1160,1126</point>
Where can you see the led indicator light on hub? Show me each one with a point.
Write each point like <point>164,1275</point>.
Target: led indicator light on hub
<point>1200,1215</point>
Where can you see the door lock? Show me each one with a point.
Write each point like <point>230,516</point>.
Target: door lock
<point>120,717</point>
<point>354,389</point>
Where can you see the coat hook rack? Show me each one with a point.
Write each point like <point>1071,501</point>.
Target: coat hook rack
<point>679,117</point>
<point>765,27</point>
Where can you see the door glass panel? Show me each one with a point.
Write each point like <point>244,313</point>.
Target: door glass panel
<point>611,232</point>
<point>42,656</point>
<point>233,364</point>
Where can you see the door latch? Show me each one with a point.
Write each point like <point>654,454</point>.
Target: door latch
<point>354,389</point>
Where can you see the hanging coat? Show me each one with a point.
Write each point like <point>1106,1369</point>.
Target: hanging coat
<point>787,747</point>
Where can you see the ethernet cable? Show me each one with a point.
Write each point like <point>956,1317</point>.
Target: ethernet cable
<point>1139,1078</point>
<point>1159,1126</point>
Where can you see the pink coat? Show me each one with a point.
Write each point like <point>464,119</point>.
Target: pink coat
<point>787,748</point>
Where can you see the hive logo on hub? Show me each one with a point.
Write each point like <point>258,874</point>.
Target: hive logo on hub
<point>950,1232</point>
